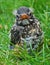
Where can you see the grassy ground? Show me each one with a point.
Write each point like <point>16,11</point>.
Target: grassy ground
<point>42,12</point>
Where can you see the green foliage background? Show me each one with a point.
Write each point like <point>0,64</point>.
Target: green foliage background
<point>41,10</point>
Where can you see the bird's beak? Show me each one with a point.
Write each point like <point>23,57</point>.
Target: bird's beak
<point>24,16</point>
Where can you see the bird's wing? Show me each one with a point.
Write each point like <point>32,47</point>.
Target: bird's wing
<point>16,33</point>
<point>39,31</point>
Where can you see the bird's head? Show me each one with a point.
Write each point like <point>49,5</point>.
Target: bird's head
<point>23,13</point>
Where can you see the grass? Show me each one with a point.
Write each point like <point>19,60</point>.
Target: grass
<point>42,12</point>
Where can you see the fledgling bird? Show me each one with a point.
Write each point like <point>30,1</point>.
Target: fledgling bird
<point>26,29</point>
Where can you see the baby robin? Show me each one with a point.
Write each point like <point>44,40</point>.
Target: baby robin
<point>26,29</point>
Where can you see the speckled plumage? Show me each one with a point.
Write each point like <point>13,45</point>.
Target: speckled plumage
<point>26,30</point>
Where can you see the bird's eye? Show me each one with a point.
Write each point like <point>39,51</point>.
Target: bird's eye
<point>29,13</point>
<point>17,16</point>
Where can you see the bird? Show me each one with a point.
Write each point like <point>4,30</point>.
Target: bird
<point>26,29</point>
